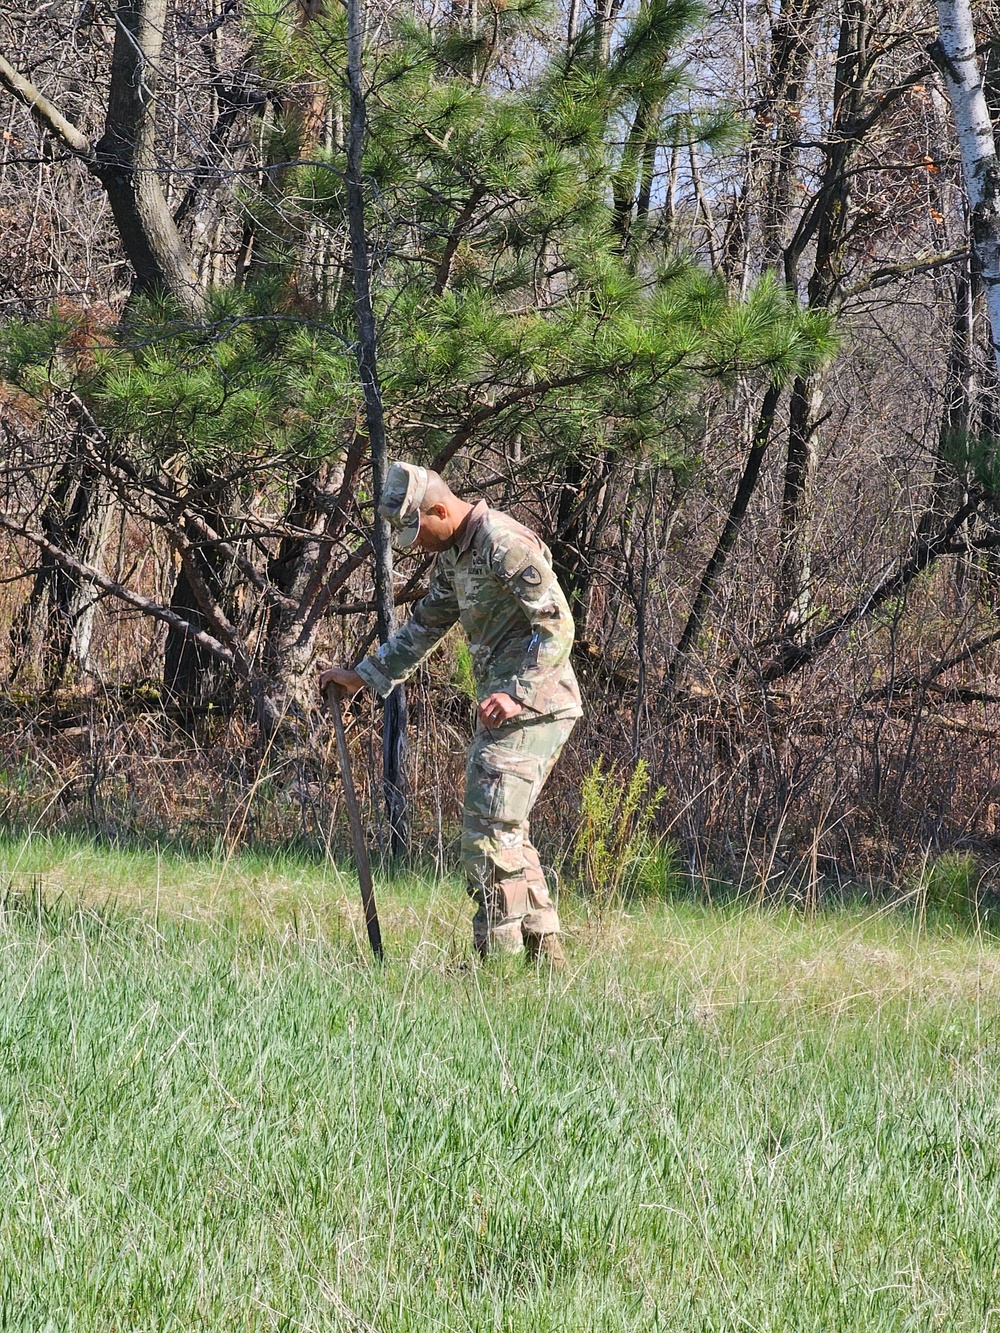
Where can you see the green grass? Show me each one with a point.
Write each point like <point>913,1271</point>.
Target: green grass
<point>215,1114</point>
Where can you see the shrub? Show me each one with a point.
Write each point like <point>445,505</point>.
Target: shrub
<point>950,884</point>
<point>612,850</point>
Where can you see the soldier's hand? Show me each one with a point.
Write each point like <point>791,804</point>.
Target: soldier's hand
<point>496,709</point>
<point>345,681</point>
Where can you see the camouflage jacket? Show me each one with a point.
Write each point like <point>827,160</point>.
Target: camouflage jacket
<point>498,581</point>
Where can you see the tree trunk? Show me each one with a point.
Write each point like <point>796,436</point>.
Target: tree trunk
<point>791,50</point>
<point>51,637</point>
<point>299,246</point>
<point>769,177</point>
<point>125,158</point>
<point>125,162</point>
<point>394,722</point>
<point>947,488</point>
<point>955,55</point>
<point>567,556</point>
<point>605,17</point>
<point>832,220</point>
<point>583,511</point>
<point>297,571</point>
<point>194,678</point>
<point>795,551</point>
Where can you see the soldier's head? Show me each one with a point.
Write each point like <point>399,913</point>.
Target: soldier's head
<point>424,511</point>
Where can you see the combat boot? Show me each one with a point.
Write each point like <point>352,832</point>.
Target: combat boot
<point>542,949</point>
<point>492,941</point>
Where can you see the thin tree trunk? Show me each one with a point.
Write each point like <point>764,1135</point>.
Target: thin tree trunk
<point>638,582</point>
<point>769,178</point>
<point>795,551</point>
<point>947,490</point>
<point>825,292</point>
<point>394,727</point>
<point>728,535</point>
<point>572,23</point>
<point>781,121</point>
<point>605,17</point>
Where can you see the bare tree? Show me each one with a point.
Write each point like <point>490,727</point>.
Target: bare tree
<point>124,158</point>
<point>394,710</point>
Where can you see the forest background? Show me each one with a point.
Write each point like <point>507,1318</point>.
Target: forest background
<point>689,290</point>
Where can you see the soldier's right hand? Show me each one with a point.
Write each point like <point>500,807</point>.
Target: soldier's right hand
<point>342,679</point>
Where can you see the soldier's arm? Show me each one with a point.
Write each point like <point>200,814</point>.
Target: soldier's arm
<point>528,576</point>
<point>429,621</point>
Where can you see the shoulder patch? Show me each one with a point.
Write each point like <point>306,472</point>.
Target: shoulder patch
<point>523,569</point>
<point>519,559</point>
<point>510,557</point>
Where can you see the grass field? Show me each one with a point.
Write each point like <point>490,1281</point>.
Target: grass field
<point>214,1114</point>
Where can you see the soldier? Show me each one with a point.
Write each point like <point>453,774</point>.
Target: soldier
<point>495,576</point>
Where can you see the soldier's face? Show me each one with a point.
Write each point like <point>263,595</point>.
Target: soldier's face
<point>437,530</point>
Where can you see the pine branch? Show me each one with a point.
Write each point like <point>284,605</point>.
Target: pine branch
<point>490,410</point>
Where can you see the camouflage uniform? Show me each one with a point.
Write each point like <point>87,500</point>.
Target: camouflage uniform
<point>498,581</point>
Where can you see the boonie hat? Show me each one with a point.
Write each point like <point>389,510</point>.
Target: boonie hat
<point>402,495</point>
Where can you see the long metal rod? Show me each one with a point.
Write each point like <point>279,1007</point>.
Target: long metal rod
<point>357,832</point>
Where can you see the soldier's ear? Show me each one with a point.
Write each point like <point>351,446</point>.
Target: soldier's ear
<point>438,510</point>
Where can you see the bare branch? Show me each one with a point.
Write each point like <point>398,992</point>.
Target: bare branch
<point>913,684</point>
<point>922,264</point>
<point>118,590</point>
<point>45,113</point>
<point>794,656</point>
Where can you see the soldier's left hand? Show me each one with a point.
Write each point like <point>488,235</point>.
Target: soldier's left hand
<point>496,709</point>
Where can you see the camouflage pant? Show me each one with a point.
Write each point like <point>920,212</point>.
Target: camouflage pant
<point>505,772</point>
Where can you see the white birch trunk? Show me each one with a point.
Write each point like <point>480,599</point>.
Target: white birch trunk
<point>955,55</point>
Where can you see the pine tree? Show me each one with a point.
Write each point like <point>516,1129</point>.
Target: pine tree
<point>529,309</point>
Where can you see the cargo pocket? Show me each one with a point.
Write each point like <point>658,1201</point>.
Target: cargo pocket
<point>501,782</point>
